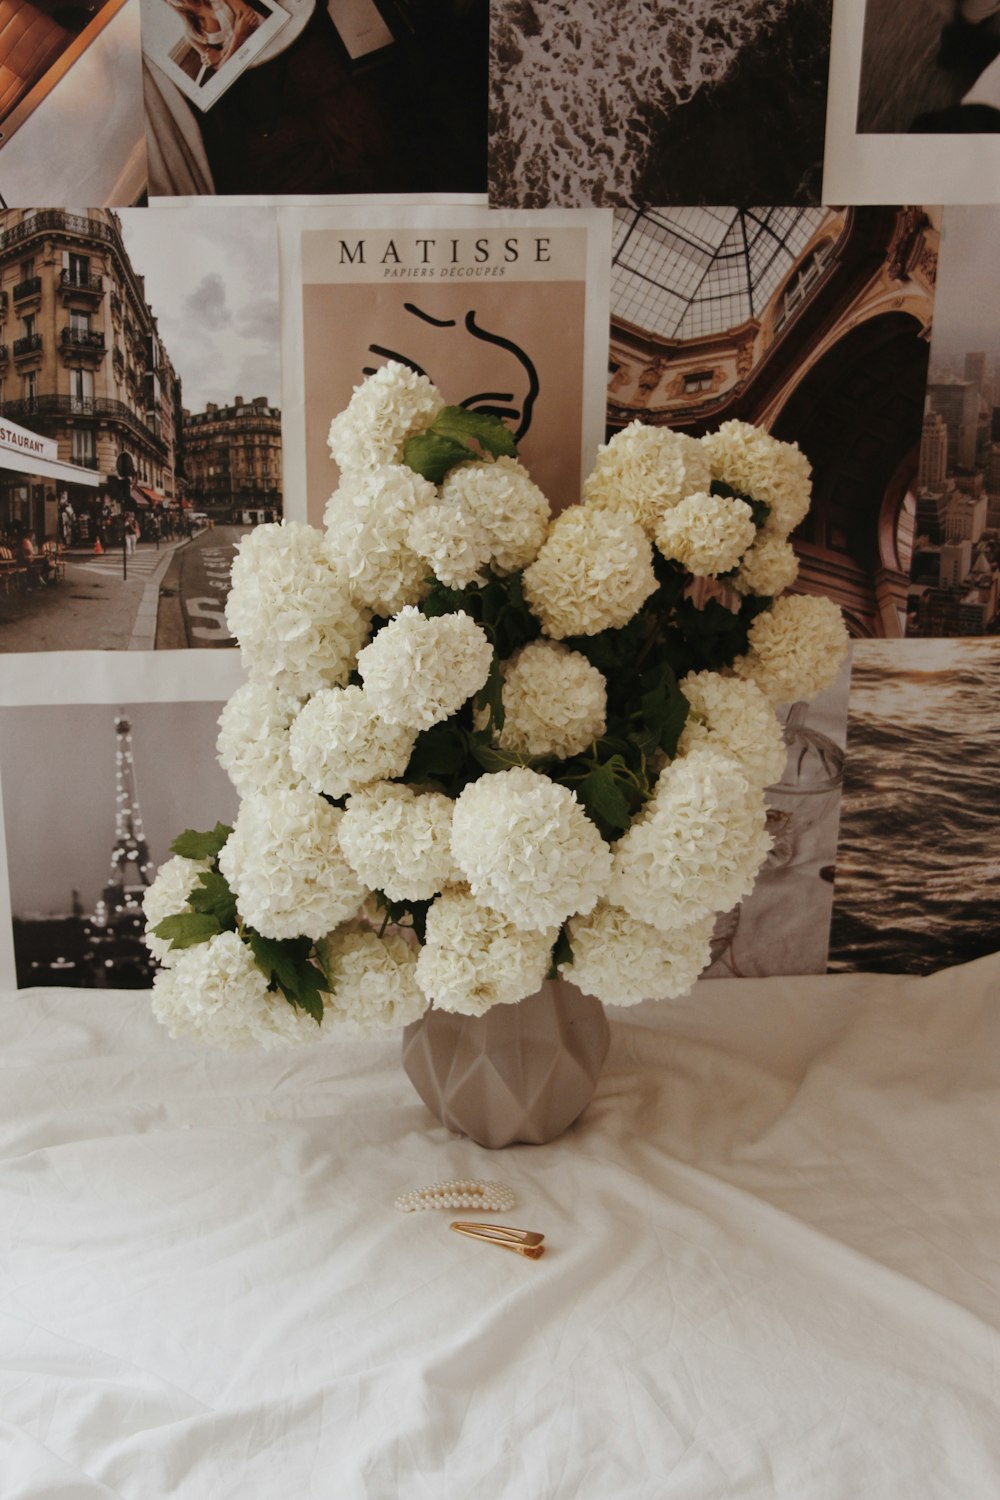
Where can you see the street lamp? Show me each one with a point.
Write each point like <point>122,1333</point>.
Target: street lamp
<point>125,469</point>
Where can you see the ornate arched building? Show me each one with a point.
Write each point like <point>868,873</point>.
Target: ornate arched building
<point>813,322</point>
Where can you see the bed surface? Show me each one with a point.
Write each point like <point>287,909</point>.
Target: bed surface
<point>772,1269</point>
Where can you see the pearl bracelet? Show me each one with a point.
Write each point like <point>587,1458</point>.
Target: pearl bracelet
<point>457,1192</point>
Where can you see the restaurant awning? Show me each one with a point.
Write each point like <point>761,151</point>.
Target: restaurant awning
<point>30,453</point>
<point>154,497</point>
<point>139,499</point>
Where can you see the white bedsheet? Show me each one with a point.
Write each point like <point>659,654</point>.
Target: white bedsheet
<point>772,1269</point>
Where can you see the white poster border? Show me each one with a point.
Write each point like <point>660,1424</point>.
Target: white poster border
<point>48,678</point>
<point>870,168</point>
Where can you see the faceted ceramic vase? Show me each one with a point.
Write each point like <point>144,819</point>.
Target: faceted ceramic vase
<point>521,1072</point>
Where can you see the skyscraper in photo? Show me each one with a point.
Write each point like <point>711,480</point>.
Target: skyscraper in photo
<point>933,451</point>
<point>976,370</point>
<point>957,402</point>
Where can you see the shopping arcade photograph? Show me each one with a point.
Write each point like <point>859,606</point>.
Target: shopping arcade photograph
<point>812,322</point>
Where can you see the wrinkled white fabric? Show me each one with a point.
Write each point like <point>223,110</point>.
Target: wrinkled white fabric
<point>773,1267</point>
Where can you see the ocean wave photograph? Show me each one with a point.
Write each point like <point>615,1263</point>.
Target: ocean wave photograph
<point>917,884</point>
<point>657,101</point>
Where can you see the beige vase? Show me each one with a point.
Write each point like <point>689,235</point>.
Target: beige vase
<point>521,1072</point>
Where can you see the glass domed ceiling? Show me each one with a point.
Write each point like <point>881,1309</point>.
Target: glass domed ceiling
<point>685,272</point>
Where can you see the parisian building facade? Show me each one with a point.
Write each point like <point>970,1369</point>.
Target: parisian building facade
<point>81,363</point>
<point>232,461</point>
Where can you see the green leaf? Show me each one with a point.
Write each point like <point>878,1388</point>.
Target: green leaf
<point>432,455</point>
<point>720,487</point>
<point>515,591</point>
<point>714,636</point>
<point>759,508</point>
<point>187,928</point>
<point>664,709</point>
<point>497,604</point>
<point>490,695</point>
<point>562,954</point>
<point>395,911</point>
<point>440,755</point>
<point>672,579</point>
<point>287,966</point>
<point>405,913</point>
<point>615,652</point>
<point>312,984</point>
<point>515,625</point>
<point>466,427</point>
<point>212,897</point>
<point>454,437</point>
<point>442,600</point>
<point>194,845</point>
<point>491,759</point>
<point>602,796</point>
<point>610,745</point>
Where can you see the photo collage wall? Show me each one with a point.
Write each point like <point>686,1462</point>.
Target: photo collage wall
<point>578,217</point>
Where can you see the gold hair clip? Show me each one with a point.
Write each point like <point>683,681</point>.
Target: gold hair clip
<point>521,1241</point>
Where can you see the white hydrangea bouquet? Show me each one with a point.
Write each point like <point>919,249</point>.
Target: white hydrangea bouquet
<point>480,745</point>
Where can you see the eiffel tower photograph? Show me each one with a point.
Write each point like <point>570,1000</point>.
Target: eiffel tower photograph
<point>114,930</point>
<point>81,847</point>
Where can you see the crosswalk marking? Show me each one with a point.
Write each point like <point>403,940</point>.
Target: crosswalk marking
<point>140,564</point>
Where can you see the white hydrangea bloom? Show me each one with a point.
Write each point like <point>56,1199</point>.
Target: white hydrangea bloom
<point>735,718</point>
<point>168,897</point>
<point>528,849</point>
<point>643,472</point>
<point>451,543</point>
<point>390,406</point>
<point>367,523</point>
<point>707,533</point>
<point>253,746</point>
<point>473,959</point>
<point>290,610</point>
<point>593,572</point>
<point>768,568</point>
<point>696,846</point>
<point>339,742</point>
<point>555,702</point>
<point>399,841</point>
<point>374,980</point>
<point>418,671</point>
<point>509,507</point>
<point>624,961</point>
<point>751,461</point>
<point>286,868</point>
<point>796,648</point>
<point>216,993</point>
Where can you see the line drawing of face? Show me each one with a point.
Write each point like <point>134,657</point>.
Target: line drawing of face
<point>507,366</point>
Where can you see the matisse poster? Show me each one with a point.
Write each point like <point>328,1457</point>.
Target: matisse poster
<point>505,312</point>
